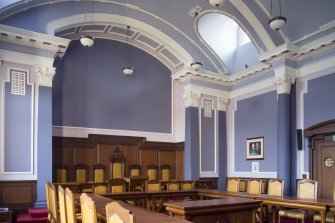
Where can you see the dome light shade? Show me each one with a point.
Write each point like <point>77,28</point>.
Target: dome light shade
<point>86,40</point>
<point>277,23</point>
<point>216,3</point>
<point>128,71</point>
<point>196,66</point>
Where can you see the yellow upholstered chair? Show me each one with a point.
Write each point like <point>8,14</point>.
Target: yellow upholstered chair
<point>61,174</point>
<point>254,186</point>
<point>306,189</point>
<point>88,209</point>
<point>117,164</point>
<point>330,215</point>
<point>152,171</point>
<point>71,215</point>
<point>53,203</point>
<point>47,193</point>
<point>81,173</point>
<point>152,185</point>
<point>275,188</point>
<point>101,189</point>
<point>243,185</point>
<point>115,213</point>
<point>99,171</point>
<point>172,185</point>
<point>61,202</point>
<point>187,185</point>
<point>233,184</point>
<point>165,172</point>
<point>117,185</point>
<point>264,186</point>
<point>135,170</point>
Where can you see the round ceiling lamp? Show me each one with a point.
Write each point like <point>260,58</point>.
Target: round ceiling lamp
<point>276,23</point>
<point>128,71</point>
<point>86,40</point>
<point>216,3</point>
<point>196,65</point>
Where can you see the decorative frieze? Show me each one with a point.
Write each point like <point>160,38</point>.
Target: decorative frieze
<point>222,103</point>
<point>284,83</point>
<point>45,75</point>
<point>191,99</point>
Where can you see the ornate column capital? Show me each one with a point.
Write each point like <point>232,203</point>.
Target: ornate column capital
<point>45,75</point>
<point>191,99</point>
<point>284,83</point>
<point>222,103</point>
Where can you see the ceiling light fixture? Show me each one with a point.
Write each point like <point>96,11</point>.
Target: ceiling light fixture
<point>277,22</point>
<point>195,65</point>
<point>216,3</point>
<point>86,40</point>
<point>127,70</point>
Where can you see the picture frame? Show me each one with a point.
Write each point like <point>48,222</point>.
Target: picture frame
<point>255,148</point>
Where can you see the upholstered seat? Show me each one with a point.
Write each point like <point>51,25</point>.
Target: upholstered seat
<point>99,171</point>
<point>152,171</point>
<point>165,172</point>
<point>61,174</point>
<point>305,189</point>
<point>255,187</point>
<point>233,184</point>
<point>81,173</point>
<point>243,185</point>
<point>275,188</point>
<point>115,213</point>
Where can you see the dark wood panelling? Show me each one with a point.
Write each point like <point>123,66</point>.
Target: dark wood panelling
<point>17,194</point>
<point>98,149</point>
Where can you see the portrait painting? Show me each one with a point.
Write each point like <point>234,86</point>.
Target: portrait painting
<point>255,148</point>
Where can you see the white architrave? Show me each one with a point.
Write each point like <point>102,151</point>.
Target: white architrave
<point>45,75</point>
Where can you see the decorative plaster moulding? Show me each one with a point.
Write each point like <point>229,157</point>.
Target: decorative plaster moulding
<point>45,75</point>
<point>35,40</point>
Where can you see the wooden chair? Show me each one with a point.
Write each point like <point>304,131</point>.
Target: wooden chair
<point>187,185</point>
<point>152,171</point>
<point>243,185</point>
<point>165,172</point>
<point>100,189</point>
<point>306,189</point>
<point>152,185</point>
<point>61,173</point>
<point>172,186</point>
<point>275,188</point>
<point>264,186</point>
<point>135,170</point>
<point>62,205</point>
<point>117,164</point>
<point>99,171</point>
<point>88,209</point>
<point>81,173</point>
<point>47,193</point>
<point>53,203</point>
<point>233,184</point>
<point>254,186</point>
<point>115,213</point>
<point>117,185</point>
<point>330,215</point>
<point>71,215</point>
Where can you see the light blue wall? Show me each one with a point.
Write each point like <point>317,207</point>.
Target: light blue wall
<point>91,91</point>
<point>18,130</point>
<point>256,117</point>
<point>207,142</point>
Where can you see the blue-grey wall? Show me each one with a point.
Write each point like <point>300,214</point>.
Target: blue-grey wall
<point>256,117</point>
<point>44,144</point>
<point>207,142</point>
<point>18,130</point>
<point>90,89</point>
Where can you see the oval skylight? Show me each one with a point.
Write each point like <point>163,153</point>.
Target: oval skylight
<point>228,40</point>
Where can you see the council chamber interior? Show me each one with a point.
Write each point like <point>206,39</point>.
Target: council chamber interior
<point>167,111</point>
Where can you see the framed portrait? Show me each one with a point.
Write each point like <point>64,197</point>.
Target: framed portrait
<point>255,148</point>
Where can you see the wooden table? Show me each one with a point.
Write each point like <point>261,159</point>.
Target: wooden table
<point>231,209</point>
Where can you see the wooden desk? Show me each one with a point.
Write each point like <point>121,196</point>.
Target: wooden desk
<point>79,187</point>
<point>232,210</point>
<point>141,215</point>
<point>135,182</point>
<point>6,216</point>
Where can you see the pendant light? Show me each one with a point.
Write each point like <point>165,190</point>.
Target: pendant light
<point>86,40</point>
<point>215,3</point>
<point>127,70</point>
<point>277,22</point>
<point>195,65</point>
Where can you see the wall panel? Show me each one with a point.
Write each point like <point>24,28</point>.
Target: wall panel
<point>17,194</point>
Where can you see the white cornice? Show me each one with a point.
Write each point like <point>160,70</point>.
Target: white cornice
<point>32,39</point>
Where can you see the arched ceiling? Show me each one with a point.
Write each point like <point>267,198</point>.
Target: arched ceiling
<point>307,20</point>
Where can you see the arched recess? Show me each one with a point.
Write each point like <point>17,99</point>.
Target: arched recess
<point>321,144</point>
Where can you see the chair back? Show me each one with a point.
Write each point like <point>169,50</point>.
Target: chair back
<point>62,205</point>
<point>307,189</point>
<point>101,189</point>
<point>233,184</point>
<point>88,209</point>
<point>152,172</point>
<point>70,207</point>
<point>187,185</point>
<point>165,172</point>
<point>81,173</point>
<point>152,185</point>
<point>117,185</point>
<point>99,173</point>
<point>53,203</point>
<point>172,186</point>
<point>135,170</point>
<point>115,213</point>
<point>276,187</point>
<point>61,173</point>
<point>243,185</point>
<point>47,193</point>
<point>254,186</point>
